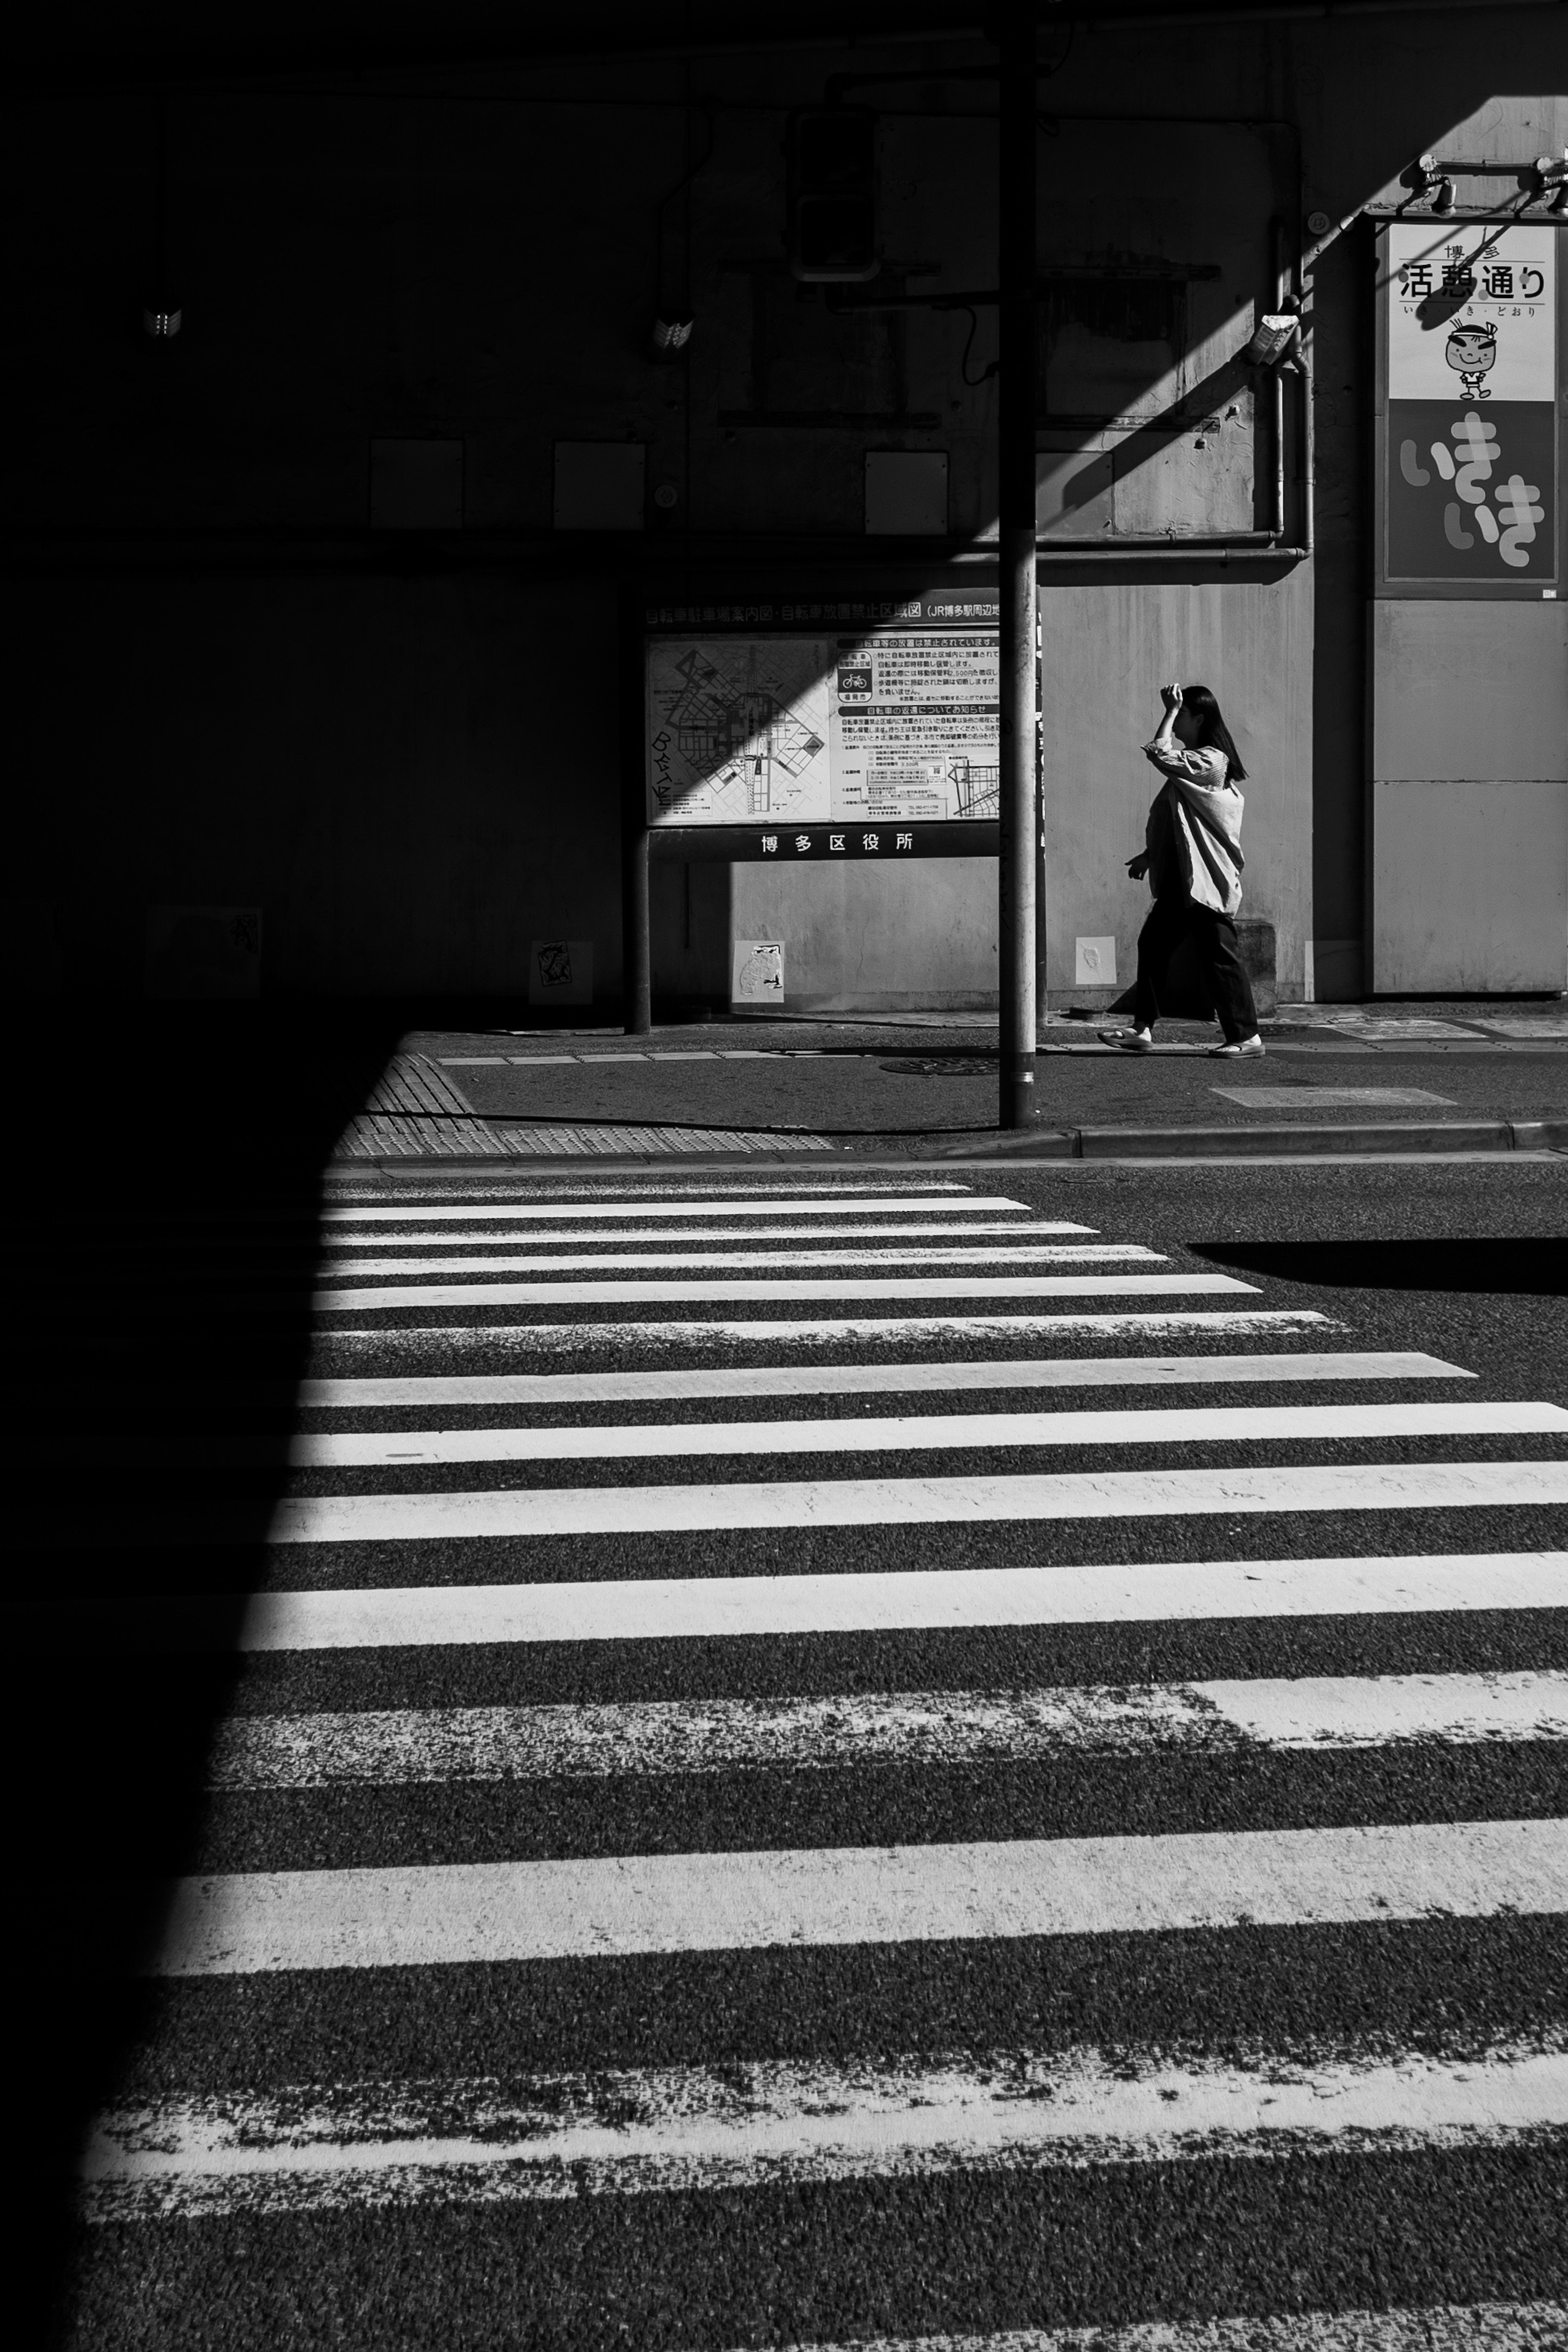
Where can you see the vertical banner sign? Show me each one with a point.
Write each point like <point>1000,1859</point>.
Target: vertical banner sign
<point>1470,463</point>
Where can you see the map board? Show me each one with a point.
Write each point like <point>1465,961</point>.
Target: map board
<point>875,727</point>
<point>1470,442</point>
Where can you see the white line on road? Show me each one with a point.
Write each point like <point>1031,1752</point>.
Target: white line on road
<point>1434,2328</point>
<point>813,1331</point>
<point>476,1914</point>
<point>572,1389</point>
<point>390,1748</point>
<point>908,1502</point>
<point>1013,1226</point>
<point>614,1261</point>
<point>917,1201</point>
<point>709,1608</point>
<point>752,2124</point>
<point>926,1432</point>
<point>652,1294</point>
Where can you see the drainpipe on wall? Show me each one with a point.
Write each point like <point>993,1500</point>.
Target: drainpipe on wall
<point>1019,354</point>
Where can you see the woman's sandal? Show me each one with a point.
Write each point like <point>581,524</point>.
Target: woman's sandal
<point>1251,1049</point>
<point>1127,1041</point>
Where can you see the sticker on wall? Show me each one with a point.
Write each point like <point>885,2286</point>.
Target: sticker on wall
<point>1094,963</point>
<point>1470,462</point>
<point>757,972</point>
<point>194,952</point>
<point>561,971</point>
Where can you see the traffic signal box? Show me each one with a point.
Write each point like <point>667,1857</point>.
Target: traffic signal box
<point>832,194</point>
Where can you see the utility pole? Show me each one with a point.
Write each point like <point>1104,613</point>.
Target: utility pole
<point>636,929</point>
<point>1019,354</point>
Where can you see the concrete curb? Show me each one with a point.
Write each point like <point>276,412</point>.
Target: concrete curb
<point>1275,1142</point>
<point>1458,1139</point>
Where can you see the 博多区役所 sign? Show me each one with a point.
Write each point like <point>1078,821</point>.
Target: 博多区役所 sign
<point>1471,459</point>
<point>880,727</point>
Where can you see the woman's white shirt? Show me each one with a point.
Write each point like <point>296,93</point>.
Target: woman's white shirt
<point>1207,811</point>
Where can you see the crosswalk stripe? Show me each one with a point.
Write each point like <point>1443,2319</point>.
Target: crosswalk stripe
<point>1431,2327</point>
<point>634,1294</point>
<point>693,2128</point>
<point>457,1390</point>
<point>916,1200</point>
<point>1000,1254</point>
<point>907,1502</point>
<point>477,1913</point>
<point>874,1602</point>
<point>918,1432</point>
<point>1012,1227</point>
<point>386,1747</point>
<point>619,1259</point>
<point>819,1331</point>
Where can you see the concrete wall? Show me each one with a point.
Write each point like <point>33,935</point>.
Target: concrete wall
<point>404,748</point>
<point>876,939</point>
<point>1470,796</point>
<point>377,765</point>
<point>1106,649</point>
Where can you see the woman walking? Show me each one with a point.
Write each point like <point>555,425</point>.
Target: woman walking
<point>1192,855</point>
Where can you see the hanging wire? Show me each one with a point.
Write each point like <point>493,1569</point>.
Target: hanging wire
<point>991,367</point>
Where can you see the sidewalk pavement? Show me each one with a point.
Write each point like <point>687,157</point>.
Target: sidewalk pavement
<point>1338,1080</point>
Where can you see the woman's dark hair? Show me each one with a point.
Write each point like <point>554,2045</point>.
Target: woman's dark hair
<point>1200,701</point>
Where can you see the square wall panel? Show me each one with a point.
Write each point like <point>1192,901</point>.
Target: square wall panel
<point>906,490</point>
<point>415,485</point>
<point>1467,688</point>
<point>1469,883</point>
<point>1094,962</point>
<point>600,485</point>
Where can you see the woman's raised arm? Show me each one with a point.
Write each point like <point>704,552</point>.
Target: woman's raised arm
<point>1164,737</point>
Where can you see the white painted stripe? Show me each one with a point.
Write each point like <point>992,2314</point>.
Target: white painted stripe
<point>759,2123</point>
<point>465,1914</point>
<point>572,1389</point>
<point>709,1607</point>
<point>1319,1097</point>
<point>1012,1227</point>
<point>387,1748</point>
<point>615,1260</point>
<point>1434,2328</point>
<point>914,1501</point>
<point>919,1433</point>
<point>814,1331</point>
<point>1377,1710</point>
<point>828,1201</point>
<point>633,1294</point>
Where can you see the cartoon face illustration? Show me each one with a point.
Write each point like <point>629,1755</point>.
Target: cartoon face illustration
<point>1472,354</point>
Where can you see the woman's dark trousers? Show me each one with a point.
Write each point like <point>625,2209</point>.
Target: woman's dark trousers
<point>1217,954</point>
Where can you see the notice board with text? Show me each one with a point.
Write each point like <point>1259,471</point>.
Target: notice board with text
<point>864,732</point>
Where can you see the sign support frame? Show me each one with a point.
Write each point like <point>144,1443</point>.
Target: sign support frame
<point>1018,850</point>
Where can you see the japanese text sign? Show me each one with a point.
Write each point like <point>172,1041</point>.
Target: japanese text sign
<point>1470,456</point>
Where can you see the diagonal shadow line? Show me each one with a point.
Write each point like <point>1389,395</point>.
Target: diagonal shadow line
<point>1518,1268</point>
<point>1155,432</point>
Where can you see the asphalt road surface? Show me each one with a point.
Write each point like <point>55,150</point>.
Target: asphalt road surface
<point>812,1757</point>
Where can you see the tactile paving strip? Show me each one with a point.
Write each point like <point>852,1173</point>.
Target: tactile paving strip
<point>416,1113</point>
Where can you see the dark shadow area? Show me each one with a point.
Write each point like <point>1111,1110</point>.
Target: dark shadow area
<point>1525,1269</point>
<point>178,1154</point>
